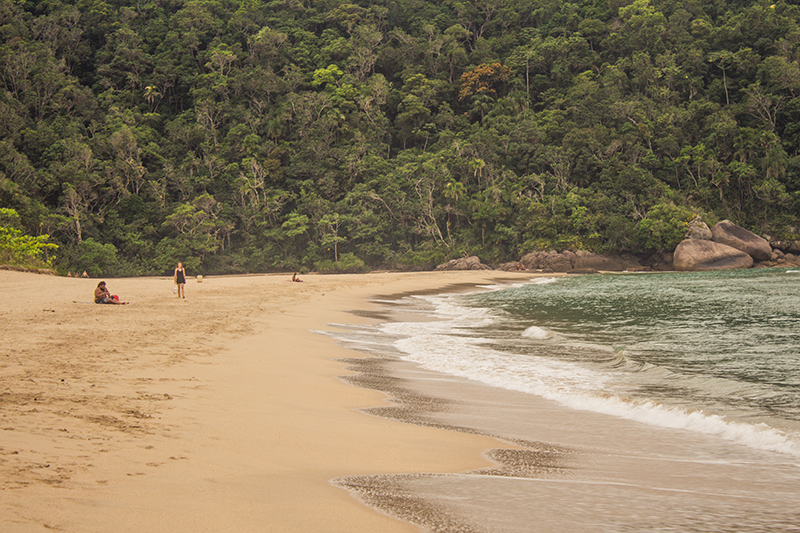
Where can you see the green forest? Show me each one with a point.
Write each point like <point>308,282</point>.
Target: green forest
<point>254,136</point>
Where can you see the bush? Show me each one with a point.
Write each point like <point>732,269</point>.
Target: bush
<point>347,263</point>
<point>663,228</point>
<point>420,259</point>
<point>17,249</point>
<point>96,258</point>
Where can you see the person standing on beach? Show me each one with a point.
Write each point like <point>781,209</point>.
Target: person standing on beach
<point>180,280</point>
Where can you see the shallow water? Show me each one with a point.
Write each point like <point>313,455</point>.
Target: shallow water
<point>647,402</point>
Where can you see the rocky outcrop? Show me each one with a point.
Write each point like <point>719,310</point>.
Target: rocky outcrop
<point>464,263</point>
<point>726,232</point>
<point>511,266</point>
<point>549,261</point>
<point>787,247</point>
<point>590,261</point>
<point>780,259</point>
<point>580,261</point>
<point>698,254</point>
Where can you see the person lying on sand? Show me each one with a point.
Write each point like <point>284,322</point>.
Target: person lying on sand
<point>102,296</point>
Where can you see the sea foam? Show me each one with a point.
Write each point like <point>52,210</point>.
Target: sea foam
<point>535,332</point>
<point>448,345</point>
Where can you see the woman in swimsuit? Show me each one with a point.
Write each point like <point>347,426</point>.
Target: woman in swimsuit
<point>180,280</point>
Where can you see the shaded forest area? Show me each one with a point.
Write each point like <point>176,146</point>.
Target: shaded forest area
<point>255,135</point>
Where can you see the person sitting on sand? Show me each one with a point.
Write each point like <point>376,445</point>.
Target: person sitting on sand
<point>84,275</point>
<point>296,278</point>
<point>102,296</point>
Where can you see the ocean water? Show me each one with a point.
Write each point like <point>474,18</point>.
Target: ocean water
<point>647,402</point>
<point>716,352</point>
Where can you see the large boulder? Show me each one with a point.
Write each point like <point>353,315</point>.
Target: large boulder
<point>726,232</point>
<point>549,261</point>
<point>590,261</point>
<point>580,261</point>
<point>464,263</point>
<point>698,254</point>
<point>511,266</point>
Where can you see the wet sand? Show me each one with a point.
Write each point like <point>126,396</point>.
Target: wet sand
<point>219,412</point>
<point>559,469</point>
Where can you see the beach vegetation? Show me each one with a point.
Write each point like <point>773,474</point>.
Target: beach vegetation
<point>347,263</point>
<point>253,136</point>
<point>664,227</point>
<point>20,250</point>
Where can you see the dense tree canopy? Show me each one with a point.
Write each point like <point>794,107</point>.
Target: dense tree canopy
<point>256,135</point>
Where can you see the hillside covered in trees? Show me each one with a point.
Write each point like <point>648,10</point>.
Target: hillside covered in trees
<point>257,135</point>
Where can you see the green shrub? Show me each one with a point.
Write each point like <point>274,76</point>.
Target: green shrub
<point>96,258</point>
<point>17,249</point>
<point>425,258</point>
<point>347,263</point>
<point>663,228</point>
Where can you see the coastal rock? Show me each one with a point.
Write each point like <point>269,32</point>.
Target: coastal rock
<point>464,263</point>
<point>726,232</point>
<point>578,262</point>
<point>779,259</point>
<point>698,254</point>
<point>787,247</point>
<point>660,261</point>
<point>590,261</point>
<point>511,266</point>
<point>549,261</point>
<point>558,262</point>
<point>698,230</point>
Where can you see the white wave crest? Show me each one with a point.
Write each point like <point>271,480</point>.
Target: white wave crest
<point>437,346</point>
<point>442,345</point>
<point>535,332</point>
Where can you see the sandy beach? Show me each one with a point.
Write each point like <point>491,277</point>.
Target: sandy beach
<point>223,411</point>
<point>246,407</point>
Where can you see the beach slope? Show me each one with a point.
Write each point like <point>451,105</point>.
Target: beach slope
<point>220,411</point>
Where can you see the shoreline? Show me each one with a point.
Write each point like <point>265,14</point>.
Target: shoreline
<point>614,474</point>
<point>230,411</point>
<point>223,410</point>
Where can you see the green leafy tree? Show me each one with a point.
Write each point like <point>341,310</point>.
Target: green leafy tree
<point>664,227</point>
<point>18,249</point>
<point>95,258</point>
<point>222,133</point>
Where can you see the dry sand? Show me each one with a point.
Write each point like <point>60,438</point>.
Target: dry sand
<point>219,412</point>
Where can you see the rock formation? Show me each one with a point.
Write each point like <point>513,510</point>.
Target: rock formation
<point>726,232</point>
<point>580,261</point>
<point>699,254</point>
<point>511,266</point>
<point>549,261</point>
<point>787,247</point>
<point>464,263</point>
